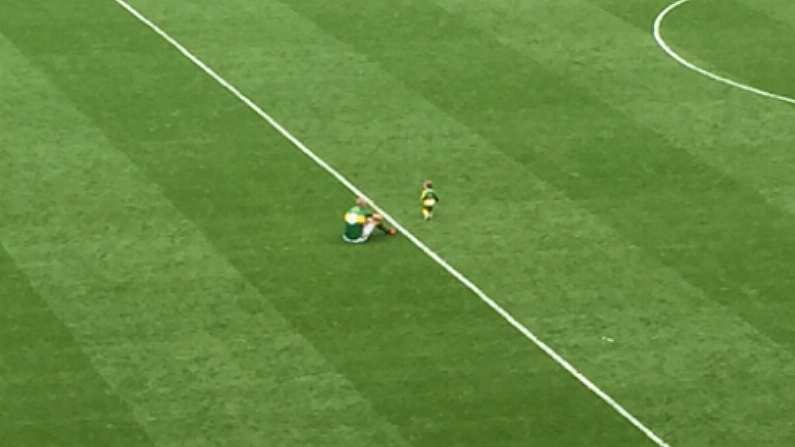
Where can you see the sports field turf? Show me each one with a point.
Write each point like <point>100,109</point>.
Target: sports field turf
<point>171,269</point>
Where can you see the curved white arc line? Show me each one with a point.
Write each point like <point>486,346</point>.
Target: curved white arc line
<point>681,60</point>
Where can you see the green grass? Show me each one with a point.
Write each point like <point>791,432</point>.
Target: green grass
<point>171,271</point>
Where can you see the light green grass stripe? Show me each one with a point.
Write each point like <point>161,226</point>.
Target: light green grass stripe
<point>50,392</point>
<point>149,299</point>
<point>781,11</point>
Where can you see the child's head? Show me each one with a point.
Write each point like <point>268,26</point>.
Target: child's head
<point>427,184</point>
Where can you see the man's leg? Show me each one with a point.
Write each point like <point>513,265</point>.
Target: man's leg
<point>367,231</point>
<point>427,213</point>
<point>379,222</point>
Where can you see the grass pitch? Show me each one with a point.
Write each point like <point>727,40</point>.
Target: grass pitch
<point>171,271</point>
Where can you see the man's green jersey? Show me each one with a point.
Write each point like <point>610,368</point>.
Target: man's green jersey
<point>428,198</point>
<point>355,219</point>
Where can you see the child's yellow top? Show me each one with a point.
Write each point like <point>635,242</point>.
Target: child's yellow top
<point>428,198</point>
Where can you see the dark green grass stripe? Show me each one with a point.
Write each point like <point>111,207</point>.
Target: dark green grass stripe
<point>726,37</point>
<point>432,359</point>
<point>50,393</point>
<point>719,234</point>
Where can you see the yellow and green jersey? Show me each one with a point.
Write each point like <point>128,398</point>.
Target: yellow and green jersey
<point>355,219</point>
<point>428,198</point>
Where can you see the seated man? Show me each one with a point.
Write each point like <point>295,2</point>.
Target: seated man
<point>361,221</point>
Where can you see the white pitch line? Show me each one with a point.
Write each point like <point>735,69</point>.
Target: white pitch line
<point>439,260</point>
<point>681,60</point>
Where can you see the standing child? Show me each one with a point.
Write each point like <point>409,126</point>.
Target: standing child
<point>428,199</point>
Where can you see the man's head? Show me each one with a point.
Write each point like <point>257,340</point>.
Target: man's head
<point>362,202</point>
<point>427,184</point>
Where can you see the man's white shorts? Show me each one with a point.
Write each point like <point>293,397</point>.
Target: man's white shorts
<point>368,229</point>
